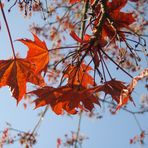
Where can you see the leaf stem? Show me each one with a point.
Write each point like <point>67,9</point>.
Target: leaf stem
<point>116,63</point>
<point>84,17</point>
<point>40,119</point>
<point>78,130</point>
<point>62,48</point>
<point>8,30</point>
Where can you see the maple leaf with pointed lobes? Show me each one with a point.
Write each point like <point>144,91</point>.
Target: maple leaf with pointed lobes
<point>79,75</point>
<point>37,53</point>
<point>16,73</point>
<point>112,87</point>
<point>114,19</point>
<point>66,98</point>
<point>118,19</point>
<point>117,90</point>
<point>121,19</point>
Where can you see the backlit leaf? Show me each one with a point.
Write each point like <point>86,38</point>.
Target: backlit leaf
<point>66,98</point>
<point>79,75</point>
<point>37,53</point>
<point>16,73</point>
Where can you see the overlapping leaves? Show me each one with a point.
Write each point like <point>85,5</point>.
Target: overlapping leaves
<point>66,98</point>
<point>117,19</point>
<point>17,72</point>
<point>79,75</point>
<point>73,96</point>
<point>37,53</point>
<point>79,93</point>
<point>120,92</point>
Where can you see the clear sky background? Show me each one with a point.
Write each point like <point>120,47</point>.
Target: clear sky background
<point>112,131</point>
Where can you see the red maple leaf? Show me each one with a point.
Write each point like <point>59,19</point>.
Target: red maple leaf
<point>79,75</point>
<point>37,53</point>
<point>16,73</point>
<point>118,91</point>
<point>66,98</point>
<point>116,19</point>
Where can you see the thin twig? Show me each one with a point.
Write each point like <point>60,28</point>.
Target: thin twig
<point>8,30</point>
<point>83,24</point>
<point>40,119</point>
<point>78,129</point>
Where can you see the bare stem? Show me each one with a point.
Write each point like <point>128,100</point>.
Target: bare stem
<point>78,130</point>
<point>116,63</point>
<point>40,119</point>
<point>8,30</point>
<point>84,17</point>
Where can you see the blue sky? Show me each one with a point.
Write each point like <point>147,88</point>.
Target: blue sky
<point>112,131</point>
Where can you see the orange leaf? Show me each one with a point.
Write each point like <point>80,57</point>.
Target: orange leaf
<point>16,73</point>
<point>37,53</point>
<point>114,88</point>
<point>66,98</point>
<point>119,19</point>
<point>118,91</point>
<point>79,75</point>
